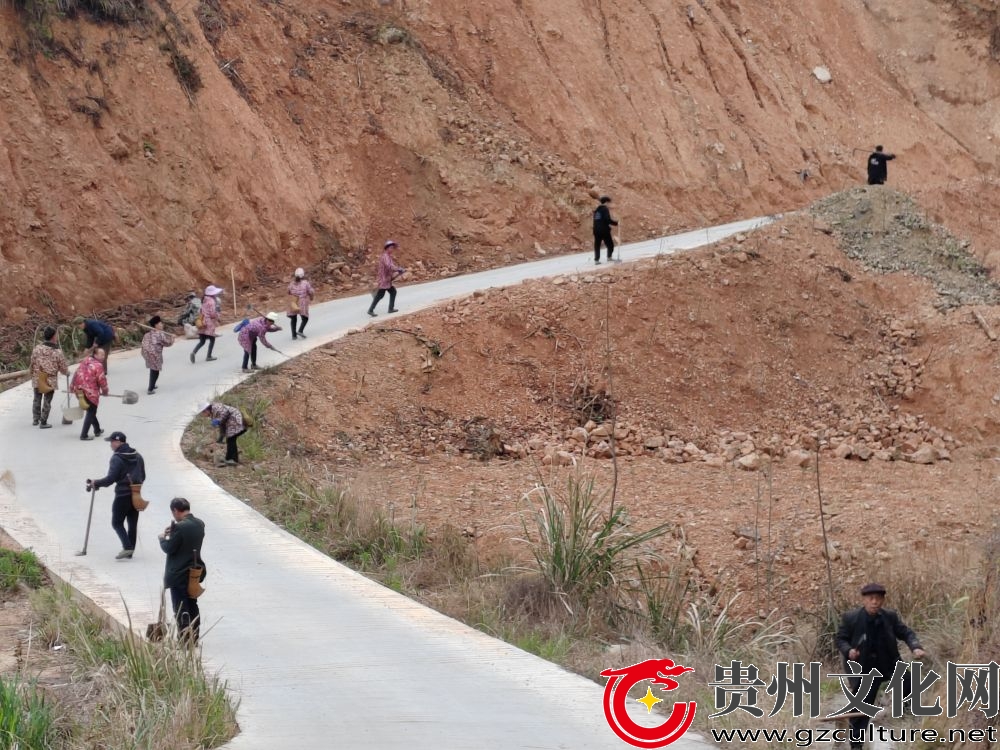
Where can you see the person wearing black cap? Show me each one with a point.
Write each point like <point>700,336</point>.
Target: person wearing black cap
<point>47,361</point>
<point>126,468</point>
<point>878,166</point>
<point>152,349</point>
<point>868,635</point>
<point>602,229</point>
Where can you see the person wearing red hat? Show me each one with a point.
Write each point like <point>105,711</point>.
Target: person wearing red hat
<point>386,275</point>
<point>868,635</point>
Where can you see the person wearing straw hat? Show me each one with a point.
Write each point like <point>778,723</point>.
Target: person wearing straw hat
<point>385,276</point>
<point>211,312</point>
<point>89,383</point>
<point>182,541</point>
<point>229,421</point>
<point>125,469</point>
<point>869,635</point>
<point>47,362</point>
<point>302,293</point>
<point>152,350</point>
<point>251,332</point>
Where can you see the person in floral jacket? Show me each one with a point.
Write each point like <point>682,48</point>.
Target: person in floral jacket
<point>230,423</point>
<point>47,361</point>
<point>89,383</point>
<point>256,329</point>
<point>211,312</point>
<point>152,349</point>
<point>303,293</point>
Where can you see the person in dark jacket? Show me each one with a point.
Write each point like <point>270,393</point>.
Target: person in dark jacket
<point>602,229</point>
<point>868,635</point>
<point>126,468</point>
<point>182,541</point>
<point>878,166</point>
<point>100,335</point>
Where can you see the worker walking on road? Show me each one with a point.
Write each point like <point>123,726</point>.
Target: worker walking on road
<point>182,541</point>
<point>602,229</point>
<point>868,635</point>
<point>152,350</point>
<point>301,293</point>
<point>208,319</point>
<point>126,468</point>
<point>878,166</point>
<point>387,273</point>
<point>47,362</point>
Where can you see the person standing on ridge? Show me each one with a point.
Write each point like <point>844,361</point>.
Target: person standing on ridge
<point>89,383</point>
<point>126,468</point>
<point>152,350</point>
<point>878,166</point>
<point>302,293</point>
<point>602,229</point>
<point>211,312</point>
<point>868,635</point>
<point>47,361</point>
<point>182,541</point>
<point>387,273</point>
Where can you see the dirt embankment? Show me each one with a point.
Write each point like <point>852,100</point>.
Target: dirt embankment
<point>143,158</point>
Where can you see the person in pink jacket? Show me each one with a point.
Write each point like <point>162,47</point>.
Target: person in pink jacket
<point>211,312</point>
<point>229,421</point>
<point>385,276</point>
<point>303,293</point>
<point>256,329</point>
<point>89,383</point>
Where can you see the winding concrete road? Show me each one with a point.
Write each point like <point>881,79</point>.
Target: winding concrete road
<point>319,656</point>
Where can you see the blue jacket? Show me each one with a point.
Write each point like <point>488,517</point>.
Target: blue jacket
<point>98,332</point>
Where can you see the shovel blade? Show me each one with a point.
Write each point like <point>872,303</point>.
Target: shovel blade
<point>130,397</point>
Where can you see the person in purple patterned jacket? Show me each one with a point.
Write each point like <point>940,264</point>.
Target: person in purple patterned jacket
<point>211,312</point>
<point>229,421</point>
<point>303,293</point>
<point>152,349</point>
<point>251,332</point>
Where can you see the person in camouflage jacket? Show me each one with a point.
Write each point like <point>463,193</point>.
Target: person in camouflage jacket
<point>47,362</point>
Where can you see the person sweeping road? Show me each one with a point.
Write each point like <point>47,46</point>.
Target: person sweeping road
<point>301,293</point>
<point>152,350</point>
<point>253,331</point>
<point>89,383</point>
<point>47,362</point>
<point>125,469</point>
<point>230,423</point>
<point>182,541</point>
<point>387,273</point>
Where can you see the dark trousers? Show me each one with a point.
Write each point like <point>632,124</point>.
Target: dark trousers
<point>90,419</point>
<point>186,611</point>
<point>40,407</point>
<point>859,725</point>
<point>123,511</point>
<point>380,294</point>
<point>250,357</point>
<point>202,338</point>
<point>302,328</point>
<point>106,346</point>
<point>233,450</point>
<point>605,237</point>
<point>154,375</point>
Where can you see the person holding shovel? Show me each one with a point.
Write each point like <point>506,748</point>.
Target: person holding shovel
<point>99,333</point>
<point>602,229</point>
<point>125,469</point>
<point>182,541</point>
<point>878,166</point>
<point>152,349</point>
<point>869,635</point>
<point>251,332</point>
<point>89,383</point>
<point>208,319</point>
<point>229,421</point>
<point>387,273</point>
<point>301,292</point>
<point>47,362</point>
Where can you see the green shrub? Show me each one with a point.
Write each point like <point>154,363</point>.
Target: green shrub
<point>27,721</point>
<point>20,567</point>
